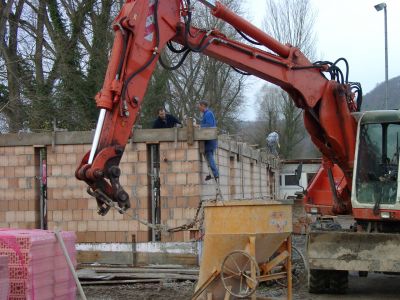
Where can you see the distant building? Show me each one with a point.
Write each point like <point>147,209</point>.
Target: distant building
<point>288,185</point>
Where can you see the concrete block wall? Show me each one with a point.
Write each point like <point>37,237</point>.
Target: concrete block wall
<point>18,187</point>
<point>245,174</point>
<point>180,167</point>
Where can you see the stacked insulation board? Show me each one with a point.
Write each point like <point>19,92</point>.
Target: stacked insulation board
<point>36,265</point>
<point>4,278</point>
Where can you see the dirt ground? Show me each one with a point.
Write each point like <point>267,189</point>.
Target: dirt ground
<point>374,287</point>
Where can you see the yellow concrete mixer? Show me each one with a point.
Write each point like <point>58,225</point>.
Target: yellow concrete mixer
<point>245,242</point>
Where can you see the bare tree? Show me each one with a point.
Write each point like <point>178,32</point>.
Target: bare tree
<point>9,39</point>
<point>55,55</point>
<point>202,78</point>
<point>289,21</point>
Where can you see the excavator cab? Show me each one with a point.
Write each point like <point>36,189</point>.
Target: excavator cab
<point>375,179</point>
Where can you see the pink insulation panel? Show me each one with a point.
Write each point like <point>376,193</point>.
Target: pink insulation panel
<point>4,278</point>
<point>37,268</point>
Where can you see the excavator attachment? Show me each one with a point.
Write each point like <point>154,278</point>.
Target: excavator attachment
<point>353,251</point>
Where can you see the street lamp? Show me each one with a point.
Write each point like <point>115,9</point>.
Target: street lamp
<point>379,7</point>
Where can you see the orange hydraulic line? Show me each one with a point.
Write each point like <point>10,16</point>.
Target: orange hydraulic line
<point>222,12</point>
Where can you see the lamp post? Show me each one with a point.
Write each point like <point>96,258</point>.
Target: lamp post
<point>379,7</point>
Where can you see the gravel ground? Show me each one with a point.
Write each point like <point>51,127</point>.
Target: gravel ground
<point>373,287</point>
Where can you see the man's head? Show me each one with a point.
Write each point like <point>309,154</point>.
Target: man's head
<point>161,113</point>
<point>203,105</point>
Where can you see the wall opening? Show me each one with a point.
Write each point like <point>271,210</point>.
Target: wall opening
<point>153,152</point>
<point>41,187</point>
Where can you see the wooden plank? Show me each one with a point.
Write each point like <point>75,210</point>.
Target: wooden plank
<point>227,294</point>
<point>86,137</point>
<point>205,285</point>
<point>107,282</point>
<point>168,135</point>
<point>145,270</point>
<point>190,132</point>
<point>154,276</point>
<point>274,262</point>
<point>143,258</point>
<point>169,266</point>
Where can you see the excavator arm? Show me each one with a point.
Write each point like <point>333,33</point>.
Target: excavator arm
<point>144,28</point>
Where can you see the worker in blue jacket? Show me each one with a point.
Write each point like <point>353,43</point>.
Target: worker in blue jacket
<point>210,145</point>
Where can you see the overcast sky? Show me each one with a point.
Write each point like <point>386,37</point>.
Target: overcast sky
<point>352,29</point>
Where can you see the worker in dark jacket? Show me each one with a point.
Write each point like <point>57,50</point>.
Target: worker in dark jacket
<point>210,145</point>
<point>165,120</point>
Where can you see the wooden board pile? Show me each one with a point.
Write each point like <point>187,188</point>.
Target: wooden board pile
<point>156,273</point>
<point>36,264</point>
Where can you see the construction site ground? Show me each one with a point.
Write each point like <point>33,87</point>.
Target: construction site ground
<point>374,287</point>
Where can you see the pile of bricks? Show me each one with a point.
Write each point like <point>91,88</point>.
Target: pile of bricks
<point>36,265</point>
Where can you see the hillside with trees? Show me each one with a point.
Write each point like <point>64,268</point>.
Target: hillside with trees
<point>375,99</point>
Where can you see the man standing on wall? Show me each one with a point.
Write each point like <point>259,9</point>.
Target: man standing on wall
<point>210,145</point>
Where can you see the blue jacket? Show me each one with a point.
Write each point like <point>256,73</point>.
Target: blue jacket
<point>209,121</point>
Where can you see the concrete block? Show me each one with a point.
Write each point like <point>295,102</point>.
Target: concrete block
<point>143,180</point>
<point>180,154</point>
<point>141,168</point>
<point>191,190</point>
<point>20,216</point>
<point>181,179</point>
<point>123,225</point>
<point>102,225</point>
<point>92,225</point>
<point>92,204</point>
<point>9,194</point>
<point>8,171</point>
<point>141,146</point>
<point>11,216</point>
<point>82,226</point>
<point>177,167</point>
<point>142,155</point>
<point>72,159</point>
<point>100,237</point>
<point>77,215</point>
<point>112,225</point>
<point>131,156</point>
<point>23,205</point>
<point>67,215</point>
<point>19,171</point>
<point>12,183</point>
<point>181,201</point>
<point>110,237</point>
<point>30,171</point>
<point>169,179</point>
<point>3,183</point>
<point>72,226</point>
<point>56,216</point>
<point>3,205</point>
